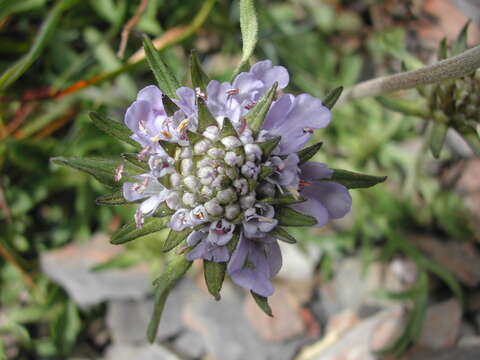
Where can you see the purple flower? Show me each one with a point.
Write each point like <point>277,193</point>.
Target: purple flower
<point>211,242</point>
<point>287,172</point>
<point>325,200</point>
<point>294,118</point>
<point>259,220</point>
<point>254,263</point>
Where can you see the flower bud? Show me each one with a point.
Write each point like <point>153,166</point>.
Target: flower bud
<point>226,196</point>
<point>214,208</point>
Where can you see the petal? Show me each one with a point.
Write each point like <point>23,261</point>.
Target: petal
<point>197,253</point>
<point>131,195</point>
<point>308,111</point>
<point>195,237</point>
<point>268,74</point>
<point>278,112</point>
<point>139,110</point>
<point>151,204</point>
<point>312,170</point>
<point>334,197</point>
<point>239,255</point>
<point>274,257</point>
<point>186,100</point>
<point>152,95</point>
<point>313,208</point>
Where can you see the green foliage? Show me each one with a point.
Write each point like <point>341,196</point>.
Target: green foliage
<point>214,275</point>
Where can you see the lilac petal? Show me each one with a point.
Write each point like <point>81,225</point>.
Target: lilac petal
<point>274,257</point>
<point>131,195</point>
<point>151,204</point>
<point>239,255</point>
<point>218,254</point>
<point>315,170</point>
<point>268,74</point>
<point>248,85</point>
<point>152,95</point>
<point>278,112</point>
<point>186,100</point>
<point>195,237</point>
<point>138,111</point>
<point>293,142</point>
<point>313,208</point>
<point>220,103</point>
<point>197,253</point>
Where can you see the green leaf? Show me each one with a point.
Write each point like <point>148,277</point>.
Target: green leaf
<point>353,180</point>
<point>169,147</point>
<point>135,161</point>
<point>214,273</point>
<point>269,145</point>
<point>174,238</point>
<point>101,168</point>
<point>282,234</point>
<point>163,210</point>
<point>113,199</point>
<point>130,232</point>
<point>437,138</point>
<point>283,200</point>
<point>306,154</point>
<point>461,43</point>
<point>66,328</point>
<point>205,118</point>
<point>404,106</point>
<point>165,78</point>
<point>262,303</point>
<point>332,97</point>
<point>266,171</point>
<point>442,52</point>
<point>113,128</point>
<point>169,106</point>
<point>199,78</point>
<point>227,129</point>
<point>249,29</point>
<point>289,217</point>
<point>256,116</point>
<point>48,28</point>
<point>193,137</point>
<point>177,266</point>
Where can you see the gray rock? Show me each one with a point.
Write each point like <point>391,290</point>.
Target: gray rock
<point>469,353</point>
<point>128,320</point>
<point>297,264</point>
<point>190,343</point>
<point>71,266</point>
<point>144,352</point>
<point>226,332</point>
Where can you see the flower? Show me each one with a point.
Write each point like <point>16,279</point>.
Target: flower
<point>223,179</point>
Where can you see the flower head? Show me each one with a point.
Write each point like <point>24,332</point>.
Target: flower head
<point>222,173</point>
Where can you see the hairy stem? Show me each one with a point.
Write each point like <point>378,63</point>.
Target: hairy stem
<point>451,68</point>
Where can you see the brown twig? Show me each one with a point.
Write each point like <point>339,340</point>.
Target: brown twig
<point>129,27</point>
<point>4,206</point>
<point>11,259</point>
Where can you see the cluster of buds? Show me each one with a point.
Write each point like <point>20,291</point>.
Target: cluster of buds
<point>224,166</point>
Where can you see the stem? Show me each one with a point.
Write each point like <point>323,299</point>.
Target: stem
<point>451,68</point>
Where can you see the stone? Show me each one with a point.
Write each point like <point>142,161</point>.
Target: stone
<point>189,344</point>
<point>143,352</point>
<point>441,326</point>
<point>128,320</point>
<point>387,332</point>
<point>71,268</point>
<point>227,333</point>
<point>352,343</point>
<point>297,265</point>
<point>455,256</point>
<point>287,321</point>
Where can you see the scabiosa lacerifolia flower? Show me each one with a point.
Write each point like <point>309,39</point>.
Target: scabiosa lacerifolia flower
<point>228,164</point>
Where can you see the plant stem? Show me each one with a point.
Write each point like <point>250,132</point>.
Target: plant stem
<point>448,69</point>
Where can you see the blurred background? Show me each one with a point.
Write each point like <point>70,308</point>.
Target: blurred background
<point>398,278</point>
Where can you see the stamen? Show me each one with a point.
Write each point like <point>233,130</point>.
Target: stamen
<point>138,219</point>
<point>119,172</point>
<point>234,91</point>
<point>265,219</point>
<point>308,130</point>
<point>142,154</point>
<point>304,183</point>
<point>183,125</point>
<point>294,192</point>
<point>200,93</point>
<point>250,106</point>
<point>142,127</point>
<point>140,188</point>
<point>243,125</point>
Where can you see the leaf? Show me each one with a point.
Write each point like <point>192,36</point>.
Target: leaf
<point>169,147</point>
<point>283,200</point>
<point>205,118</point>
<point>48,28</point>
<point>163,210</point>
<point>174,238</point>
<point>130,232</point>
<point>353,180</point>
<point>306,154</point>
<point>461,43</point>
<point>266,171</point>
<point>282,234</point>
<point>269,145</point>
<point>214,273</point>
<point>135,161</point>
<point>332,97</point>
<point>262,303</point>
<point>227,129</point>
<point>113,199</point>
<point>249,29</point>
<point>404,106</point>
<point>177,266</point>
<point>199,78</point>
<point>66,328</point>
<point>437,138</point>
<point>193,137</point>
<point>288,217</point>
<point>256,116</point>
<point>101,168</point>
<point>442,52</point>
<point>113,128</point>
<point>169,106</point>
<point>165,78</point>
